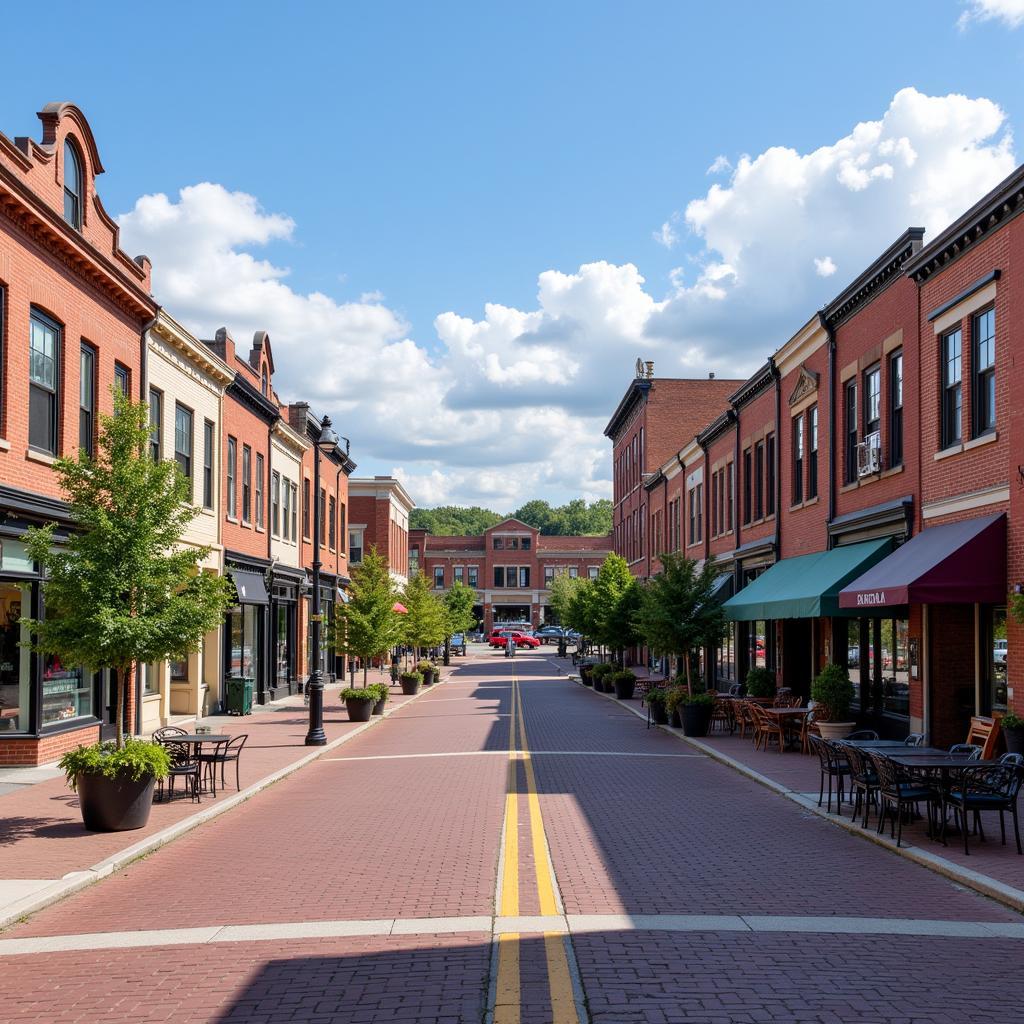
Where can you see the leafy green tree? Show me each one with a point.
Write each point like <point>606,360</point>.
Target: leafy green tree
<point>458,604</point>
<point>425,620</point>
<point>540,515</point>
<point>678,613</point>
<point>453,520</point>
<point>616,601</point>
<point>124,590</point>
<point>368,626</point>
<point>574,518</point>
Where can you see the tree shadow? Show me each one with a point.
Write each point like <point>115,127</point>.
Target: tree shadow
<point>14,830</point>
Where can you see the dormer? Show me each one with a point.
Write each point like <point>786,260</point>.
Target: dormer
<point>261,359</point>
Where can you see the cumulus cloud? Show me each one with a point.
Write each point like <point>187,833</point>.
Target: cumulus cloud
<point>667,235</point>
<point>510,403</point>
<point>1009,12</point>
<point>719,165</point>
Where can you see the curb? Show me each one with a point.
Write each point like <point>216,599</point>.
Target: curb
<point>1002,893</point>
<point>77,880</point>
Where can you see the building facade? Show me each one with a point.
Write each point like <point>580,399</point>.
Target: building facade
<point>380,519</point>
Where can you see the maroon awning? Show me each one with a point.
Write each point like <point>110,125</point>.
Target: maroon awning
<point>959,563</point>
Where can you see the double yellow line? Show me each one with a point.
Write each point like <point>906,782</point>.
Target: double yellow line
<point>560,986</point>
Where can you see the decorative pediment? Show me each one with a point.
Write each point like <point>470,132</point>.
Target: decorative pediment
<point>806,384</point>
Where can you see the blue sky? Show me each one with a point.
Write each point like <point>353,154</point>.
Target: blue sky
<point>430,159</point>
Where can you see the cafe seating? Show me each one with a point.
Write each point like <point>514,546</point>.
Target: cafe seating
<point>742,717</point>
<point>833,766</point>
<point>915,739</point>
<point>984,732</point>
<point>863,734</point>
<point>899,791</point>
<point>765,728</point>
<point>972,750</point>
<point>987,787</point>
<point>863,778</point>
<point>223,754</point>
<point>185,764</point>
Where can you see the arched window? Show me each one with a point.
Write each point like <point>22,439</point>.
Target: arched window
<point>264,381</point>
<point>72,186</point>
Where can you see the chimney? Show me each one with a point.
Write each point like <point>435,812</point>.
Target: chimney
<point>711,375</point>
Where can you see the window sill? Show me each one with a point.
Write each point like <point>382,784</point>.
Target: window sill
<point>983,439</point>
<point>231,519</point>
<point>148,698</point>
<point>5,446</point>
<point>893,471</point>
<point>846,488</point>
<point>807,503</point>
<point>44,458</point>
<point>947,453</point>
<point>204,511</point>
<point>261,529</point>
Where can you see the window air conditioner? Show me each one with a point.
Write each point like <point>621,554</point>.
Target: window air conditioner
<point>869,455</point>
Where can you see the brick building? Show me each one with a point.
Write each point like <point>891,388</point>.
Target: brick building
<point>511,566</point>
<point>74,309</point>
<point>380,519</point>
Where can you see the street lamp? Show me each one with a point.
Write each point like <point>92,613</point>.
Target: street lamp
<point>326,442</point>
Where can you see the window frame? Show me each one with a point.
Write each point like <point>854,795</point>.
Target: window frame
<point>759,480</point>
<point>75,195</point>
<point>231,472</point>
<point>306,526</point>
<point>246,484</point>
<point>983,381</point>
<point>87,416</point>
<point>473,576</point>
<point>258,492</point>
<point>499,577</point>
<point>850,431</point>
<point>770,484</point>
<point>275,503</point>
<point>46,323</point>
<point>798,458</point>
<point>896,408</point>
<point>156,424</point>
<point>872,400</point>
<point>208,463</point>
<point>284,502</point>
<point>332,523</point>
<point>189,456</point>
<point>812,452</point>
<point>295,511</point>
<point>951,393</point>
<point>438,577</point>
<point>123,379</point>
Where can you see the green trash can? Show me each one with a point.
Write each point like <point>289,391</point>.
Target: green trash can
<point>239,694</point>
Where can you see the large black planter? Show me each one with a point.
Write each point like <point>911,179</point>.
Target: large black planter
<point>585,677</point>
<point>410,686</point>
<point>378,708</point>
<point>600,683</point>
<point>428,677</point>
<point>659,713</point>
<point>624,688</point>
<point>114,805</point>
<point>359,709</point>
<point>1014,740</point>
<point>674,720</point>
<point>696,719</point>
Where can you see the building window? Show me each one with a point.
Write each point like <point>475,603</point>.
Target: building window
<point>526,542</point>
<point>460,573</point>
<point>812,452</point>
<point>275,503</point>
<point>259,490</point>
<point>285,501</point>
<point>264,381</point>
<point>323,516</point>
<point>759,480</point>
<point>295,511</point>
<point>207,464</point>
<point>87,400</point>
<point>524,576</point>
<point>983,371</point>
<point>332,523</point>
<point>498,543</point>
<point>696,496</point>
<point>896,409</point>
<point>438,577</point>
<point>872,401</point>
<point>730,478</point>
<point>573,572</point>
<point>473,576</point>
<point>499,576</point>
<point>592,571</point>
<point>123,379</point>
<point>798,459</point>
<point>342,527</point>
<point>850,430</point>
<point>232,478</point>
<point>3,311</point>
<point>549,575</point>
<point>156,420</point>
<point>747,489</point>
<point>355,546</point>
<point>73,181</point>
<point>246,484</point>
<point>305,508</point>
<point>183,440</point>
<point>769,475</point>
<point>952,373</point>
<point>44,360</point>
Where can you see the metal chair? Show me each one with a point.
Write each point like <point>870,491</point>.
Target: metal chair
<point>734,690</point>
<point>833,766</point>
<point>897,788</point>
<point>185,763</point>
<point>1012,759</point>
<point>863,777</point>
<point>863,734</point>
<point>972,749</point>
<point>987,787</point>
<point>742,717</point>
<point>915,739</point>
<point>765,728</point>
<point>222,754</point>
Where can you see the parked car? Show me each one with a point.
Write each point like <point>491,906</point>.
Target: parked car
<point>999,649</point>
<point>550,634</point>
<point>500,638</point>
<point>457,644</point>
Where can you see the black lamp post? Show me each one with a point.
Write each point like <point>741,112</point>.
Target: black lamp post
<point>326,442</point>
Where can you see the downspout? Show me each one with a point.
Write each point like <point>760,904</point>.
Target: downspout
<point>737,514</point>
<point>831,335</point>
<point>143,389</point>
<point>777,468</point>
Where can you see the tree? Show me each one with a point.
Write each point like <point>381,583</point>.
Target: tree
<point>678,612</point>
<point>124,590</point>
<point>425,620</point>
<point>458,603</point>
<point>368,626</point>
<point>616,601</point>
<point>452,520</point>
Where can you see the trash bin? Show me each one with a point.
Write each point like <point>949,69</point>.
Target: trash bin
<point>239,691</point>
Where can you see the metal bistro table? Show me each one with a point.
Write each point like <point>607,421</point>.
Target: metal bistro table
<point>197,740</point>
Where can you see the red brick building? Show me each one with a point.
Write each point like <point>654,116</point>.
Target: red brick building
<point>511,567</point>
<point>73,313</point>
<point>380,519</point>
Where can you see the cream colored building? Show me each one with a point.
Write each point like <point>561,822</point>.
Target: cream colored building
<point>185,382</point>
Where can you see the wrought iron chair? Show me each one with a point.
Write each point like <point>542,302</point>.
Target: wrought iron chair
<point>987,787</point>
<point>915,739</point>
<point>898,788</point>
<point>971,749</point>
<point>863,778</point>
<point>1012,759</point>
<point>833,766</point>
<point>223,754</point>
<point>185,763</point>
<point>863,734</point>
<point>734,690</point>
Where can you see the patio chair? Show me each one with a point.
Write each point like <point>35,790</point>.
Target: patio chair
<point>741,717</point>
<point>863,734</point>
<point>899,789</point>
<point>987,787</point>
<point>765,728</point>
<point>985,732</point>
<point>863,778</point>
<point>223,754</point>
<point>833,766</point>
<point>915,739</point>
<point>721,716</point>
<point>971,749</point>
<point>734,690</point>
<point>782,696</point>
<point>184,762</point>
<point>1012,759</point>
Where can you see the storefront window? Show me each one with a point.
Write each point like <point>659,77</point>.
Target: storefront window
<point>757,643</point>
<point>997,673</point>
<point>853,661</point>
<point>243,641</point>
<point>151,680</point>
<point>878,657</point>
<point>284,649</point>
<point>725,659</point>
<point>179,670</point>
<point>895,667</point>
<point>67,692</point>
<point>15,661</point>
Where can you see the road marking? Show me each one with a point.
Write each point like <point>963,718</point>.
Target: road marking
<point>508,997</point>
<point>504,753</point>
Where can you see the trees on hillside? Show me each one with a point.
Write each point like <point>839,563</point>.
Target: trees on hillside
<point>575,518</point>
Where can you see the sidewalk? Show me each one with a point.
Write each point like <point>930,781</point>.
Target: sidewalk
<point>991,868</point>
<point>47,853</point>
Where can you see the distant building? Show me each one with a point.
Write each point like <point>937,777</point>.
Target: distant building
<point>380,508</point>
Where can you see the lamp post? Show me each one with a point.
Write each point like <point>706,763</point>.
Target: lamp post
<point>326,442</point>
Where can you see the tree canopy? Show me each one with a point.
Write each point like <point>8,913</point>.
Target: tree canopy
<point>458,605</point>
<point>123,590</point>
<point>574,519</point>
<point>425,620</point>
<point>616,600</point>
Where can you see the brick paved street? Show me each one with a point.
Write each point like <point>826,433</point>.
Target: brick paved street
<point>371,885</point>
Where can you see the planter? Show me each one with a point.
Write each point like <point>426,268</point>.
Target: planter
<point>378,708</point>
<point>835,730</point>
<point>410,686</point>
<point>601,684</point>
<point>624,688</point>
<point>585,677</point>
<point>696,719</point>
<point>428,677</point>
<point>674,720</point>
<point>659,713</point>
<point>114,805</point>
<point>1014,740</point>
<point>359,708</point>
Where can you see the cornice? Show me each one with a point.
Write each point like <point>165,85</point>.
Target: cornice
<point>168,330</point>
<point>291,438</point>
<point>759,382</point>
<point>242,391</point>
<point>634,394</point>
<point>716,428</point>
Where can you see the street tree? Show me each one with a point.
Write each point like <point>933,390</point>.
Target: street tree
<point>425,620</point>
<point>124,590</point>
<point>458,604</point>
<point>678,613</point>
<point>368,626</point>
<point>616,600</point>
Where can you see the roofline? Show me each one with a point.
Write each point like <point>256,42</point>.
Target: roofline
<point>760,380</point>
<point>716,427</point>
<point>637,388</point>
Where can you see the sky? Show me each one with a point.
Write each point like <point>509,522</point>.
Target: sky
<point>462,223</point>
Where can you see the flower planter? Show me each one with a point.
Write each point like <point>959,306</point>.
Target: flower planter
<point>114,805</point>
<point>410,686</point>
<point>835,730</point>
<point>659,713</point>
<point>378,708</point>
<point>428,677</point>
<point>1014,739</point>
<point>585,677</point>
<point>696,719</point>
<point>625,688</point>
<point>359,708</point>
<point>674,720</point>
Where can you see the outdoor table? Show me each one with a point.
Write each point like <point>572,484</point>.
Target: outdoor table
<point>787,715</point>
<point>878,744</point>
<point>197,740</point>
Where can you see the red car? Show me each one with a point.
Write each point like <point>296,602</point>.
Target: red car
<point>500,637</point>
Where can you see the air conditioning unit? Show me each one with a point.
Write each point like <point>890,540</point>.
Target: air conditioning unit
<point>869,455</point>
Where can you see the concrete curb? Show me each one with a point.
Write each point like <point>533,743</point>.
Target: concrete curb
<point>1008,895</point>
<point>76,880</point>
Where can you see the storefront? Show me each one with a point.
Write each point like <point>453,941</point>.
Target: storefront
<point>284,618</point>
<point>245,628</point>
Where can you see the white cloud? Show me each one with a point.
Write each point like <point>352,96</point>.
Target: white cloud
<point>719,165</point>
<point>511,405</point>
<point>1009,12</point>
<point>667,235</point>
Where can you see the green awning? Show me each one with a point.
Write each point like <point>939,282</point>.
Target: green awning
<point>807,586</point>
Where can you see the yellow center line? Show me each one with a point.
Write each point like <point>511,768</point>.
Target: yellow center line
<point>507,998</point>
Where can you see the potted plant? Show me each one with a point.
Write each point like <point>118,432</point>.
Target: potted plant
<point>426,670</point>
<point>359,702</point>
<point>410,682</point>
<point>625,684</point>
<point>115,787</point>
<point>600,674</point>
<point>760,682</point>
<point>674,697</point>
<point>832,693</point>
<point>655,699</point>
<point>696,713</point>
<point>586,673</point>
<point>1013,730</point>
<point>383,692</point>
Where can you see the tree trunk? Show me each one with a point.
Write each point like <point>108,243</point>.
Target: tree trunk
<point>123,677</point>
<point>689,682</point>
<point>365,669</point>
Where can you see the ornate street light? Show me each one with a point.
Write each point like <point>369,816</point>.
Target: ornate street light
<point>326,442</point>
